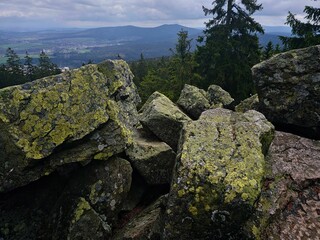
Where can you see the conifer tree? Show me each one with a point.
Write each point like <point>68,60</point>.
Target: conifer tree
<point>230,46</point>
<point>29,67</point>
<point>46,67</point>
<point>305,34</point>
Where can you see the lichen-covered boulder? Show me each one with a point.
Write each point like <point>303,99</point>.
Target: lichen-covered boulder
<point>218,175</point>
<point>162,117</point>
<point>91,201</point>
<point>193,101</point>
<point>289,204</point>
<point>148,224</point>
<point>153,159</point>
<point>218,97</point>
<point>251,103</point>
<point>60,113</point>
<point>288,89</point>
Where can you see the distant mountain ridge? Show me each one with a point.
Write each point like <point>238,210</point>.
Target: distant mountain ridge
<point>76,46</point>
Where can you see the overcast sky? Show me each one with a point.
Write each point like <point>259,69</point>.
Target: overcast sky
<point>28,14</point>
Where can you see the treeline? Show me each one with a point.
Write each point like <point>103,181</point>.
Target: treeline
<point>225,54</point>
<point>17,71</point>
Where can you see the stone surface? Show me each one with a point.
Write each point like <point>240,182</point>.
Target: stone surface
<point>251,103</point>
<point>290,201</point>
<point>163,118</point>
<point>146,225</point>
<point>218,97</point>
<point>83,114</point>
<point>153,159</point>
<point>218,175</point>
<point>91,200</point>
<point>193,101</point>
<point>288,86</point>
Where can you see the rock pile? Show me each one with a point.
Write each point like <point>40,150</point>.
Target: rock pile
<point>77,161</point>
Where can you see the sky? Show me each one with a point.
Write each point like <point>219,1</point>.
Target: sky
<point>45,14</point>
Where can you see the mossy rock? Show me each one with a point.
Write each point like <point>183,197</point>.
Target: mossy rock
<point>251,103</point>
<point>218,97</point>
<point>289,92</point>
<point>193,101</point>
<point>162,117</point>
<point>218,175</point>
<point>44,122</point>
<point>153,159</point>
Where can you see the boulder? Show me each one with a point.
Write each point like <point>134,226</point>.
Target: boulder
<point>148,224</point>
<point>163,118</point>
<point>193,101</point>
<point>91,201</point>
<point>288,89</point>
<point>218,175</point>
<point>153,159</point>
<point>251,103</point>
<point>289,204</point>
<point>83,114</point>
<point>218,97</point>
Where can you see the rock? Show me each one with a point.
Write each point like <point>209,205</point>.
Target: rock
<point>81,114</point>
<point>288,89</point>
<point>289,204</point>
<point>146,225</point>
<point>163,118</point>
<point>251,103</point>
<point>92,200</point>
<point>218,97</point>
<point>153,159</point>
<point>218,175</point>
<point>193,101</point>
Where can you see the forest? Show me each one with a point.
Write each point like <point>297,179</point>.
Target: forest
<point>224,55</point>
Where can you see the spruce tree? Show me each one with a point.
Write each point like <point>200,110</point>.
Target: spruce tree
<point>304,34</point>
<point>229,47</point>
<point>29,67</point>
<point>46,67</point>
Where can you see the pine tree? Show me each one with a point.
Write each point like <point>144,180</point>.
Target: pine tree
<point>29,67</point>
<point>268,51</point>
<point>230,46</point>
<point>46,67</point>
<point>13,64</point>
<point>304,34</point>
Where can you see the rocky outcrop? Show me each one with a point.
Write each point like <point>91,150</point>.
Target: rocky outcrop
<point>153,159</point>
<point>288,89</point>
<point>163,118</point>
<point>218,175</point>
<point>79,114</point>
<point>194,101</point>
<point>289,204</point>
<point>75,162</point>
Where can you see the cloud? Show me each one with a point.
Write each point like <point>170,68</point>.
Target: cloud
<point>94,13</point>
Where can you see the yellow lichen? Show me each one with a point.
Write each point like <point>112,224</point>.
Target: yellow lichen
<point>82,206</point>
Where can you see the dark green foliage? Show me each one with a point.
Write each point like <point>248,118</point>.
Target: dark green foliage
<point>304,34</point>
<point>13,72</point>
<point>230,46</point>
<point>167,75</point>
<point>30,69</point>
<point>46,67</point>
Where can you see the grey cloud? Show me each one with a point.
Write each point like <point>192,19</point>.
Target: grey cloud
<point>118,12</point>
